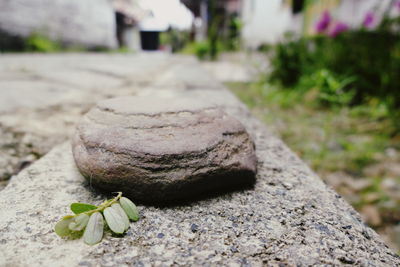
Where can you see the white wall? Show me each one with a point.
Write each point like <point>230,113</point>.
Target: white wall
<point>265,21</point>
<point>353,11</point>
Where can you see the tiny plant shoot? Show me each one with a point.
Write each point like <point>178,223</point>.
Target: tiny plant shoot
<point>88,220</point>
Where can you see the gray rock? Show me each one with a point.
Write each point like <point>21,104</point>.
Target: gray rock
<point>157,149</point>
<point>90,23</point>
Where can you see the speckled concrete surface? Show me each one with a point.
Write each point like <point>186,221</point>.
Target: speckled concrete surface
<point>290,217</point>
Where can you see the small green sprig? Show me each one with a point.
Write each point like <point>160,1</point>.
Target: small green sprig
<point>88,220</point>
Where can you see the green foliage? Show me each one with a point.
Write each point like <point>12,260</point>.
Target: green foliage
<point>79,222</point>
<point>114,220</point>
<point>175,39</point>
<point>81,207</point>
<point>89,218</point>
<point>339,138</point>
<point>39,43</point>
<point>331,89</point>
<point>122,214</point>
<point>289,62</point>
<point>356,67</point>
<point>62,227</point>
<point>94,230</point>
<point>202,50</point>
<point>346,145</point>
<point>122,50</point>
<point>232,41</point>
<point>217,41</point>
<point>129,208</point>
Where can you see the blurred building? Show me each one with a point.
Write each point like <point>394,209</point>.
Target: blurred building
<point>266,22</point>
<point>206,12</point>
<point>165,15</point>
<point>349,12</point>
<point>128,15</point>
<point>89,24</point>
<point>139,22</point>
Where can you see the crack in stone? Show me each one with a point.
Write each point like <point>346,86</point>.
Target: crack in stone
<point>176,126</point>
<point>136,154</point>
<point>160,114</point>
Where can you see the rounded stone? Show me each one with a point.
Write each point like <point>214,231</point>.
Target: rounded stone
<point>158,149</point>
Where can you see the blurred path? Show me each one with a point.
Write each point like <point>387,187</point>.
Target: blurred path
<point>237,66</point>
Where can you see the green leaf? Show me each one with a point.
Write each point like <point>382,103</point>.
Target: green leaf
<point>114,220</point>
<point>62,228</point>
<point>78,208</point>
<point>94,229</point>
<point>79,222</point>
<point>122,213</point>
<point>129,208</point>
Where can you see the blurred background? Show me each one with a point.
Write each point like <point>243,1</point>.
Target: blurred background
<point>323,74</point>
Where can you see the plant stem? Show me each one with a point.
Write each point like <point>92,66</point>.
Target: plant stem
<point>104,205</point>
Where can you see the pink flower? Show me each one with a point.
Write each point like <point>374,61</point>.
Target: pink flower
<point>338,28</point>
<point>323,23</point>
<point>369,20</point>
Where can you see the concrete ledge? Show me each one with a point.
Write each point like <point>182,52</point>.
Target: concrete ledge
<point>290,217</point>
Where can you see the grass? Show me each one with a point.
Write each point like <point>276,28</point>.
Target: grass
<point>352,148</point>
<point>37,42</point>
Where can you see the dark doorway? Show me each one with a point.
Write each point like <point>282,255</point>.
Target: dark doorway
<point>150,40</point>
<point>298,6</point>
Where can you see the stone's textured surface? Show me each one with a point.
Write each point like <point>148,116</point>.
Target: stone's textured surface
<point>90,23</point>
<point>157,149</point>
